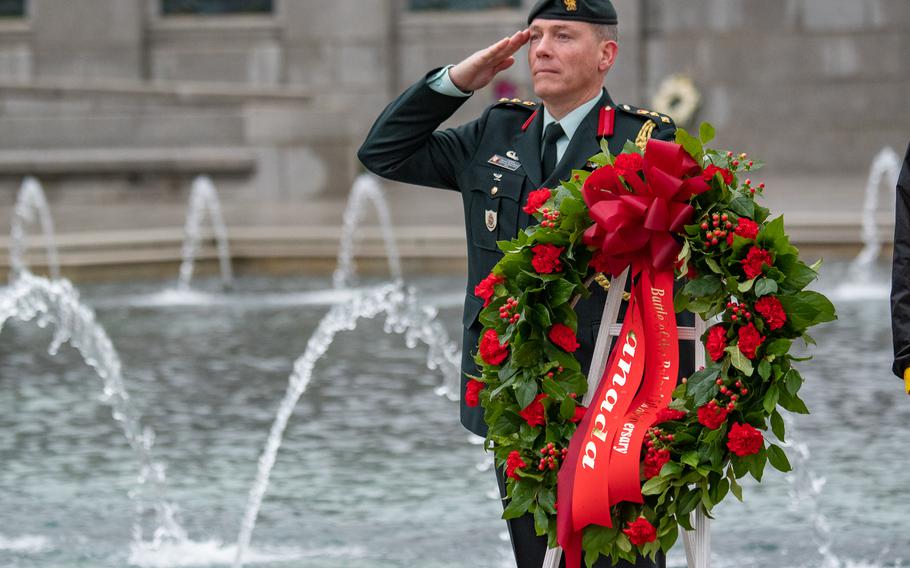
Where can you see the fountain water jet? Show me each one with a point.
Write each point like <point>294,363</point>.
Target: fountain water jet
<point>57,303</point>
<point>859,282</point>
<point>403,316</point>
<point>366,188</point>
<point>204,197</point>
<point>29,201</point>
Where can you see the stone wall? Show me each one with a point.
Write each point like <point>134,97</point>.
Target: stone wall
<point>812,86</point>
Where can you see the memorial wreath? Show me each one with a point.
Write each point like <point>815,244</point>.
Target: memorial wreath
<point>620,477</point>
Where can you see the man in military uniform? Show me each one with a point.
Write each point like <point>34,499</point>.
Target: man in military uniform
<point>513,148</point>
<point>900,277</point>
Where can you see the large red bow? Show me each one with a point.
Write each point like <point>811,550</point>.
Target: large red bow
<point>638,225</point>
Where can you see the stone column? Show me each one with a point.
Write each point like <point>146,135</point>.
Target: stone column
<point>87,39</point>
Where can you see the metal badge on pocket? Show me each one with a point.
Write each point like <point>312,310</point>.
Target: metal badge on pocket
<point>491,219</point>
<point>506,163</point>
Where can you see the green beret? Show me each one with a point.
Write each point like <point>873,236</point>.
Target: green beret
<point>592,11</point>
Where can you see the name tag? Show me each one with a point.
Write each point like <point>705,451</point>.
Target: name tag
<point>504,162</point>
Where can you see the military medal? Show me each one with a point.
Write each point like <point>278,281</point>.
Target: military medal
<point>509,163</point>
<point>491,220</point>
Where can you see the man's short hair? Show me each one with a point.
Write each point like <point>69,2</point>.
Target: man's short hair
<point>607,32</point>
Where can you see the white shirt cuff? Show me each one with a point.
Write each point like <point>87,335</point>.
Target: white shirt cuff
<point>442,83</point>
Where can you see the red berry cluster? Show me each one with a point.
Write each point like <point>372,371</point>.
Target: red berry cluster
<point>506,311</point>
<point>551,457</point>
<point>732,394</point>
<point>740,313</point>
<point>551,374</point>
<point>717,229</point>
<point>657,437</point>
<point>752,189</point>
<point>550,218</point>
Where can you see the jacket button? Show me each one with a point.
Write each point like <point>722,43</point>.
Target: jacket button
<point>494,190</point>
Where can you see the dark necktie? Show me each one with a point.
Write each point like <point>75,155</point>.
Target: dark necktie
<point>553,133</point>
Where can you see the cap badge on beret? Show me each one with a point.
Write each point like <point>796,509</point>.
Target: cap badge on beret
<point>571,6</point>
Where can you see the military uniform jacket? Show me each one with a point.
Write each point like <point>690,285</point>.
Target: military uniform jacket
<point>900,273</point>
<point>405,146</point>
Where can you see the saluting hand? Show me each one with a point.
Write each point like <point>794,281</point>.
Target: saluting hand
<point>478,70</point>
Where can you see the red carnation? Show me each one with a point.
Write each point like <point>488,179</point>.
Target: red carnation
<point>713,170</point>
<point>486,288</point>
<point>535,414</point>
<point>579,413</point>
<point>491,351</point>
<point>640,532</point>
<point>746,228</point>
<point>667,414</point>
<point>628,164</point>
<point>546,258</point>
<point>563,337</point>
<point>536,199</point>
<point>716,342</point>
<point>514,462</point>
<point>744,440</point>
<point>755,260</point>
<point>749,340</point>
<point>654,461</point>
<point>472,393</point>
<point>711,415</point>
<point>771,309</point>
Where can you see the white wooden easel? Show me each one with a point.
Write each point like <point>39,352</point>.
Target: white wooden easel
<point>698,541</point>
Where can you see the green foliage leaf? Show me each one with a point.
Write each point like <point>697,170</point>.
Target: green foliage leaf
<point>746,286</point>
<point>687,502</point>
<point>740,361</point>
<point>743,206</point>
<point>668,538</point>
<point>778,458</point>
<point>778,347</point>
<point>567,408</point>
<point>735,488</point>
<point>560,291</point>
<point>522,496</point>
<point>769,403</point>
<point>701,385</point>
<point>525,391</point>
<point>691,144</point>
<point>705,286</point>
<point>792,402</point>
<point>527,354</point>
<point>777,425</point>
<point>793,381</point>
<point>706,132</point>
<point>599,538</point>
<point>541,521</point>
<point>765,286</point>
<point>764,369</point>
<point>807,308</point>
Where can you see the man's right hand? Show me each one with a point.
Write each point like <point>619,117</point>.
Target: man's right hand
<point>478,70</point>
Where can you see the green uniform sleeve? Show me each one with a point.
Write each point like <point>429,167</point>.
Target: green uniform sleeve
<point>404,146</point>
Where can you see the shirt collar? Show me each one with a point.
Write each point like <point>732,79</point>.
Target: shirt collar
<point>572,121</point>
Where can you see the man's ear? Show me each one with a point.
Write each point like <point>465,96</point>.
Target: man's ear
<point>608,51</point>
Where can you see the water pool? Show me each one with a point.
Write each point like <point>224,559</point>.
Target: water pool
<point>375,470</point>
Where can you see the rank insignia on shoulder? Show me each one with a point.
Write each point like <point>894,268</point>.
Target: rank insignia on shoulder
<point>509,163</point>
<point>490,219</point>
<point>650,114</point>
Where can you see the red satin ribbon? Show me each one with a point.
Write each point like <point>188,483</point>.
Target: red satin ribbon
<point>635,229</point>
<point>638,225</point>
